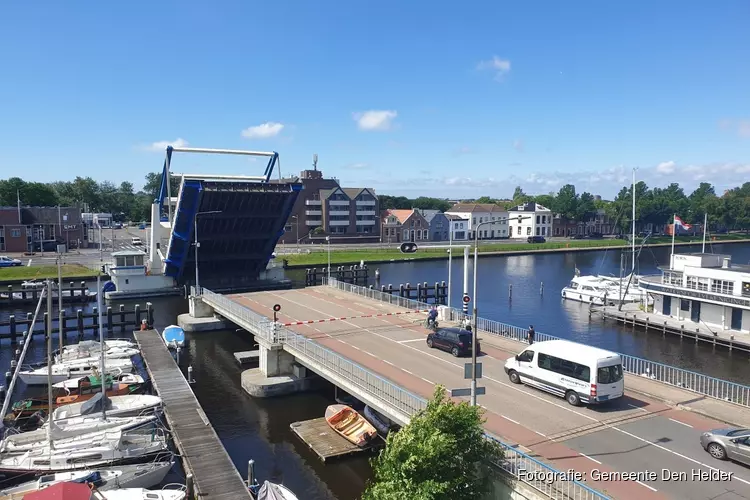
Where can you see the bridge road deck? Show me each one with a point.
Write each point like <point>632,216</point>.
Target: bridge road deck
<point>636,434</point>
<point>214,475</point>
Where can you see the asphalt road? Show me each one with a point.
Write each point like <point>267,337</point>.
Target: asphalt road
<point>634,434</point>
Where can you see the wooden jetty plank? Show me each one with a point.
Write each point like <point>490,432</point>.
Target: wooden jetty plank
<point>214,474</point>
<point>323,440</point>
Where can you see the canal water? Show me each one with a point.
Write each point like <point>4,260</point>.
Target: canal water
<point>259,429</point>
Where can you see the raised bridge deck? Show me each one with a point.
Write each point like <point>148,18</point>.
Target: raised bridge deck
<point>215,476</point>
<point>637,433</point>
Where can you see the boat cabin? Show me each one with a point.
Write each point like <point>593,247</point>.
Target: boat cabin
<point>703,288</point>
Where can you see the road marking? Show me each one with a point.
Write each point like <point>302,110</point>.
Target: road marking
<point>428,380</point>
<point>407,371</point>
<point>588,417</point>
<point>410,340</point>
<point>388,362</point>
<point>543,435</point>
<point>644,484</point>
<point>637,407</point>
<point>592,459</point>
<point>681,423</point>
<point>510,420</point>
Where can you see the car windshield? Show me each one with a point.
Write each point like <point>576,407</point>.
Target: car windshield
<point>609,374</point>
<point>738,432</point>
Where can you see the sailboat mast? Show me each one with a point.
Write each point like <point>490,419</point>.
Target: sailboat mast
<point>49,359</point>
<point>705,222</point>
<point>632,242</point>
<point>102,370</point>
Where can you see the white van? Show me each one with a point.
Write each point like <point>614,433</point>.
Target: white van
<point>576,372</point>
<point>136,241</point>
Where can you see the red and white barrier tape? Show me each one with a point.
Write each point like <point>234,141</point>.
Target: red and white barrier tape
<point>309,322</point>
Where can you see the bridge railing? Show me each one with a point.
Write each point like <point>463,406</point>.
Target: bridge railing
<point>525,468</point>
<point>686,379</point>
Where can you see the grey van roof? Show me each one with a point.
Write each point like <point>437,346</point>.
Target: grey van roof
<point>565,347</point>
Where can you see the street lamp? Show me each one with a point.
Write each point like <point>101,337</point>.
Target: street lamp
<point>197,245</point>
<point>474,308</point>
<point>328,241</point>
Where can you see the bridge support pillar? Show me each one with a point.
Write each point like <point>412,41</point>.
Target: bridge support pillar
<point>277,374</point>
<point>200,318</point>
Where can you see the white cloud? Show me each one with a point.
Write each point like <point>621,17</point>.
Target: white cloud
<point>263,131</point>
<point>518,145</point>
<point>375,119</point>
<point>666,167</point>
<point>161,146</point>
<point>743,128</point>
<point>500,67</point>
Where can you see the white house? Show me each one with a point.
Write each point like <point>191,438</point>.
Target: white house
<point>476,213</point>
<point>536,221</point>
<point>459,227</point>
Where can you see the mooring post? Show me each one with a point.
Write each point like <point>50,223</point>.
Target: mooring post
<point>122,318</point>
<point>189,486</point>
<point>250,473</point>
<point>79,323</point>
<point>10,292</point>
<point>109,319</point>
<point>46,327</point>
<point>150,314</point>
<point>510,291</point>
<point>12,327</point>
<point>541,288</point>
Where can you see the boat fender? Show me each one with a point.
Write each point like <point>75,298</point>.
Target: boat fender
<point>563,294</point>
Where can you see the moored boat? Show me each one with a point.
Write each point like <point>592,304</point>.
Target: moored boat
<point>116,406</point>
<point>173,336</point>
<point>350,425</point>
<point>382,423</point>
<point>73,369</point>
<point>122,476</point>
<point>272,491</point>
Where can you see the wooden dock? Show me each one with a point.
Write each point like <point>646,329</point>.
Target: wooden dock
<point>214,475</point>
<point>321,439</point>
<point>633,316</point>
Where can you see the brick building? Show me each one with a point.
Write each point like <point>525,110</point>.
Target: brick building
<point>40,228</point>
<point>323,208</point>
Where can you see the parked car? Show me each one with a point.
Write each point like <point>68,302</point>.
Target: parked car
<point>49,246</point>
<point>596,236</point>
<point>577,237</point>
<point>535,239</point>
<point>731,443</point>
<point>453,340</point>
<point>6,261</point>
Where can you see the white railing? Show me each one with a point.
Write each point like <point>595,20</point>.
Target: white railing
<point>531,471</point>
<point>659,372</point>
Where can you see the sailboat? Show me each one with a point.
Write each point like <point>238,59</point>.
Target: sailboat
<point>68,448</point>
<point>122,476</point>
<point>607,290</point>
<point>74,369</point>
<point>91,348</point>
<point>117,406</point>
<point>81,490</point>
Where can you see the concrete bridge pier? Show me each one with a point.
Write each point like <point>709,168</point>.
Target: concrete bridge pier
<point>278,373</point>
<point>201,317</point>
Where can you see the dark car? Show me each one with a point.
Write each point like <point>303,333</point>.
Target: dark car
<point>577,237</point>
<point>535,239</point>
<point>453,340</point>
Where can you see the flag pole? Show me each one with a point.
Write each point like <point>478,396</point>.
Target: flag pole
<point>705,221</point>
<point>18,202</point>
<point>674,231</point>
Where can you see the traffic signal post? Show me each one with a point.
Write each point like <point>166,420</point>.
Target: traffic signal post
<point>411,247</point>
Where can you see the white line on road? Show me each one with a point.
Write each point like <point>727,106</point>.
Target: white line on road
<point>407,371</point>
<point>388,362</point>
<point>647,486</point>
<point>681,423</point>
<point>428,381</point>
<point>592,459</point>
<point>637,407</point>
<point>510,420</point>
<point>543,435</point>
<point>410,340</point>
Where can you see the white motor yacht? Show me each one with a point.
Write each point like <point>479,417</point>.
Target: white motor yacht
<point>603,290</point>
<point>121,378</point>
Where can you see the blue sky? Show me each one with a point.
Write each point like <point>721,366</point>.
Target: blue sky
<point>414,98</point>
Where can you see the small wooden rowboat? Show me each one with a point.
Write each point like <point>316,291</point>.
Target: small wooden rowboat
<point>350,425</point>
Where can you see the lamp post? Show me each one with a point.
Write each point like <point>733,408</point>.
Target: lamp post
<point>328,242</point>
<point>474,309</point>
<point>197,245</point>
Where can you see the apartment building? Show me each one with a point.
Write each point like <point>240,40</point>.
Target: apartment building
<point>323,208</point>
<point>478,213</point>
<point>536,220</point>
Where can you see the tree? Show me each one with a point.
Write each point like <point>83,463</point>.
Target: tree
<point>153,183</point>
<point>485,200</point>
<point>545,200</point>
<point>566,202</point>
<point>585,206</point>
<point>519,197</point>
<point>427,203</point>
<point>703,201</point>
<point>442,453</point>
